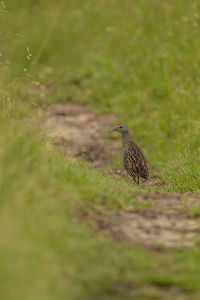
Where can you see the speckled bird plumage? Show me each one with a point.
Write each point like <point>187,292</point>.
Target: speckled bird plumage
<point>134,159</point>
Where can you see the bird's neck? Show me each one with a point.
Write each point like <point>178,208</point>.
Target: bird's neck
<point>125,138</point>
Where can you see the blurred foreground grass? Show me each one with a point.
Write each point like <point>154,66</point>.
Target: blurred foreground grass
<point>139,59</point>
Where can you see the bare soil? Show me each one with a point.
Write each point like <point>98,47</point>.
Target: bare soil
<point>76,128</point>
<point>164,224</point>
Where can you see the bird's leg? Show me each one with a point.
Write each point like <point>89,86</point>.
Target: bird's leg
<point>138,179</point>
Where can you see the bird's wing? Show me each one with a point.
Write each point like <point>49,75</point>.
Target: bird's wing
<point>143,165</point>
<point>130,163</point>
<point>136,160</point>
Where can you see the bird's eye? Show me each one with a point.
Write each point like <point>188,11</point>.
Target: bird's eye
<point>120,126</point>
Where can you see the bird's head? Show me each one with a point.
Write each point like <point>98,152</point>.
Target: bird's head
<point>120,128</point>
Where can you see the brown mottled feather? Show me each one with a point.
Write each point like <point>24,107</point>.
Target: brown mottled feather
<point>134,160</point>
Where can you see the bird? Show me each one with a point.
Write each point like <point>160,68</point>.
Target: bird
<point>133,158</point>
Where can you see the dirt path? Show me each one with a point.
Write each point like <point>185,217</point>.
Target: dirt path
<point>164,224</point>
<point>86,135</point>
<point>75,127</point>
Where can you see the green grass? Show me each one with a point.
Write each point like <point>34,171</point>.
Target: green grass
<point>46,254</point>
<point>138,59</point>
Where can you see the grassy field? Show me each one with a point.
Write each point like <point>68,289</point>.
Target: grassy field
<point>137,59</point>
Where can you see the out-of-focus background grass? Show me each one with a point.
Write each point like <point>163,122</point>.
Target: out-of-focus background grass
<point>138,59</point>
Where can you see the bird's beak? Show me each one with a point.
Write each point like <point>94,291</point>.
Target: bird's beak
<point>114,129</point>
